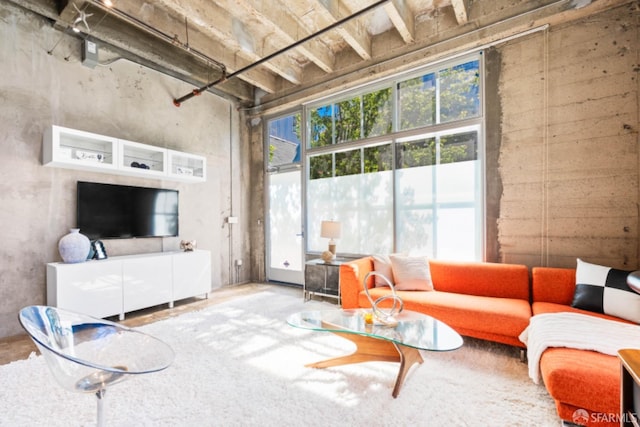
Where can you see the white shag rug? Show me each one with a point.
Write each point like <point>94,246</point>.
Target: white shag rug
<point>238,363</point>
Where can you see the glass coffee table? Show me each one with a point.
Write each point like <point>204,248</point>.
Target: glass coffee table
<point>376,342</point>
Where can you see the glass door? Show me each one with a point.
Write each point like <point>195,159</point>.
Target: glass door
<point>284,235</point>
<point>285,238</point>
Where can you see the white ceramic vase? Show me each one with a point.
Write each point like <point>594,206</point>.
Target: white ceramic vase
<point>74,247</point>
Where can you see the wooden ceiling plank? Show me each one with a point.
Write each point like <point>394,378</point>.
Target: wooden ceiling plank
<point>261,79</point>
<point>213,21</point>
<point>402,19</point>
<point>198,42</point>
<point>460,10</point>
<point>504,24</point>
<point>280,21</point>
<point>353,32</point>
<point>319,55</point>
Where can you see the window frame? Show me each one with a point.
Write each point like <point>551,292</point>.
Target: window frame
<point>396,135</point>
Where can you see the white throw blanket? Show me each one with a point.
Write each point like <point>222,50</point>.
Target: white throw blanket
<point>575,330</point>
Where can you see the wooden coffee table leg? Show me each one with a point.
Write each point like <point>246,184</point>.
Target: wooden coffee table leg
<point>370,349</point>
<point>409,356</point>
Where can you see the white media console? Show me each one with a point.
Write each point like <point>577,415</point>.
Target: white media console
<point>118,285</point>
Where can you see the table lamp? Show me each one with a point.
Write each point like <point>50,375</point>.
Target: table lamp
<point>331,230</point>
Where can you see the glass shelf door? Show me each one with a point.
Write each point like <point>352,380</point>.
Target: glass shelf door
<point>187,167</point>
<point>78,149</point>
<point>142,159</point>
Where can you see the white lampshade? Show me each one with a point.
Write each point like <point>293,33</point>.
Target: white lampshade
<point>330,229</point>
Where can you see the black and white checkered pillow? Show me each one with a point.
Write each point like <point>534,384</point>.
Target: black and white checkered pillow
<point>604,290</point>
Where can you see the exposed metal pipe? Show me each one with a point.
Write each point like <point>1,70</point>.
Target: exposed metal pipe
<point>267,58</point>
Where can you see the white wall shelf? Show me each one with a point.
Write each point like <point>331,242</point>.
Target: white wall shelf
<point>142,159</point>
<point>74,149</point>
<point>117,285</point>
<point>186,167</point>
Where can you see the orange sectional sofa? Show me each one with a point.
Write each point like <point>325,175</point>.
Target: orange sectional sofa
<point>575,379</point>
<point>481,300</point>
<point>495,302</point>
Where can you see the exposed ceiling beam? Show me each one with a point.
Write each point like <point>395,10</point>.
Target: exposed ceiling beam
<point>503,25</point>
<point>211,23</point>
<point>335,25</point>
<point>402,18</point>
<point>353,32</point>
<point>278,20</point>
<point>460,10</point>
<point>164,24</point>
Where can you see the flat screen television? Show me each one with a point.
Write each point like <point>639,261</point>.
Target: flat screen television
<point>110,211</point>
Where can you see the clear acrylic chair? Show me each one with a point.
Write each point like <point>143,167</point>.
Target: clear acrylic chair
<point>87,354</point>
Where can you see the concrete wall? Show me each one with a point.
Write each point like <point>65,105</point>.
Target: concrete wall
<point>124,100</point>
<point>569,143</point>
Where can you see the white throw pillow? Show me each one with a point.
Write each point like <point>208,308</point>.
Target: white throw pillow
<point>411,273</point>
<point>382,265</point>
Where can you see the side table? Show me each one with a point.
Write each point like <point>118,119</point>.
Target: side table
<point>322,278</point>
<point>629,386</point>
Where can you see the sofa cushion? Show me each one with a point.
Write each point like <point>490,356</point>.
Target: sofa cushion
<point>481,278</point>
<point>382,265</point>
<point>604,290</point>
<point>411,273</point>
<point>542,307</point>
<point>582,378</point>
<point>552,284</point>
<point>471,315</point>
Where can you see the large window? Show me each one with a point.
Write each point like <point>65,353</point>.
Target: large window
<point>400,165</point>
